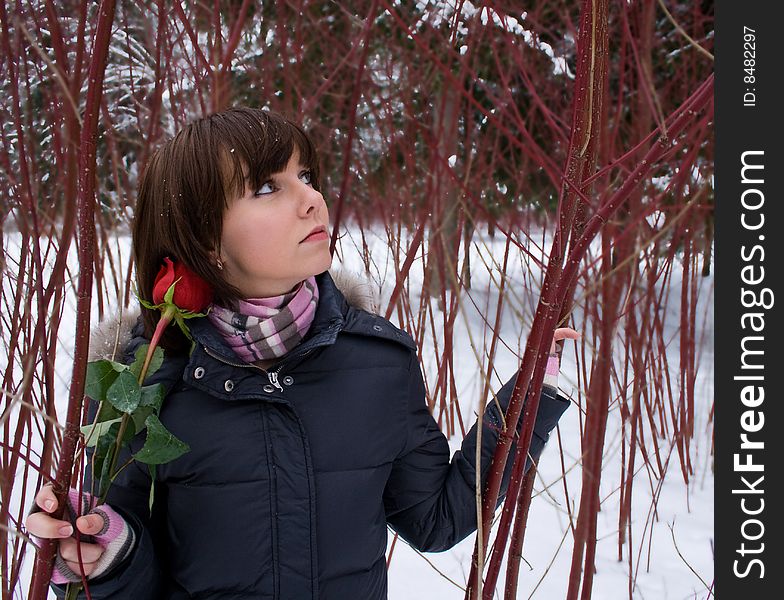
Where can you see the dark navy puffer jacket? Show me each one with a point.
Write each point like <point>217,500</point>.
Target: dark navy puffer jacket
<point>293,474</point>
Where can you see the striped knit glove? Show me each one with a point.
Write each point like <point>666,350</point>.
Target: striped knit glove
<point>117,538</point>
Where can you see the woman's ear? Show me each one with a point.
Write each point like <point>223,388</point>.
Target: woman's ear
<point>216,260</point>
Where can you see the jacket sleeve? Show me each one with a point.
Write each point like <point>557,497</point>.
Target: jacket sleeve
<point>430,501</point>
<point>139,575</point>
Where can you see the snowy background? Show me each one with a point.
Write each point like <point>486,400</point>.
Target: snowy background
<point>672,547</point>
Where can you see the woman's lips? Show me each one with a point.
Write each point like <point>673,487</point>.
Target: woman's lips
<point>317,236</point>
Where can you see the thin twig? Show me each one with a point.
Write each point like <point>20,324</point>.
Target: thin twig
<point>683,32</point>
<point>686,562</point>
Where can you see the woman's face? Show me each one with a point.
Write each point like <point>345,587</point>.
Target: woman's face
<point>266,246</point>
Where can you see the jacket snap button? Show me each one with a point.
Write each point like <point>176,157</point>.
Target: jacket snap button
<point>198,372</point>
<point>377,327</point>
<point>229,385</point>
<point>269,389</point>
<point>288,380</point>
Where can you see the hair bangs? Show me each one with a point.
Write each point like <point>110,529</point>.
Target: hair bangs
<point>256,144</point>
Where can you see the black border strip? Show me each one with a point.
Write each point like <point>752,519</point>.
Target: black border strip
<point>748,431</point>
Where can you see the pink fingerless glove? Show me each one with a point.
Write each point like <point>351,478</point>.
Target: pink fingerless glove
<point>116,537</point>
<point>551,371</point>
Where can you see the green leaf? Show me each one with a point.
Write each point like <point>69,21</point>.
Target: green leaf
<point>168,297</point>
<point>103,447</point>
<point>153,395</point>
<point>130,431</point>
<point>73,589</point>
<point>104,450</point>
<point>140,415</point>
<point>100,376</point>
<point>149,305</point>
<point>107,412</point>
<point>183,327</point>
<point>151,402</point>
<point>161,446</point>
<point>155,362</point>
<point>93,432</point>
<point>152,485</point>
<point>106,480</point>
<point>138,360</point>
<point>124,394</point>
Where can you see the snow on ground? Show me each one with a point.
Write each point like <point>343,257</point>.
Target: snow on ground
<point>662,571</point>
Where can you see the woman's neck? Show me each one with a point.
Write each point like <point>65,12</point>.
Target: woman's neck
<point>265,364</point>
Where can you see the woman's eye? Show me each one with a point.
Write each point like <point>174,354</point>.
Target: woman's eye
<point>266,188</point>
<point>307,177</point>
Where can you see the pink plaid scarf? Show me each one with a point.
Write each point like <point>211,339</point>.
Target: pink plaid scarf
<point>266,328</point>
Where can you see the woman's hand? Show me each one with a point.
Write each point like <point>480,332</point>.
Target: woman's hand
<point>40,524</point>
<point>563,333</point>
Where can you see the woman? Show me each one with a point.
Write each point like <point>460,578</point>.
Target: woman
<point>304,411</point>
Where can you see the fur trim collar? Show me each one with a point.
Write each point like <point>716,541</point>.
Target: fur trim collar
<point>357,289</point>
<point>110,336</point>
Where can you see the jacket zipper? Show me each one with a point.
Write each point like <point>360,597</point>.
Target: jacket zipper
<point>228,362</point>
<point>271,375</point>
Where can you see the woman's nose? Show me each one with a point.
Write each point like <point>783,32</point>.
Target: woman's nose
<point>311,200</point>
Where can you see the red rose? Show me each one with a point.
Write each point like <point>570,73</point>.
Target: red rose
<point>191,293</point>
<point>179,294</point>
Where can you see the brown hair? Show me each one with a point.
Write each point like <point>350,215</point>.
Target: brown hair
<point>189,181</point>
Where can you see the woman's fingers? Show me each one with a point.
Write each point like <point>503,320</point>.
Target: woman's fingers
<point>45,498</point>
<point>90,524</point>
<point>43,526</point>
<point>564,333</point>
<point>90,553</point>
<point>74,566</point>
